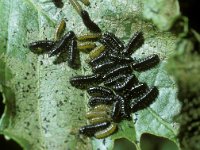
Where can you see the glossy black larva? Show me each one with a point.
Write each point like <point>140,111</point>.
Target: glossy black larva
<point>124,106</point>
<point>102,57</point>
<point>111,42</point>
<point>73,55</point>
<point>114,80</point>
<point>104,42</point>
<point>61,44</point>
<point>99,91</point>
<point>118,69</point>
<point>83,82</point>
<point>120,58</point>
<point>145,100</point>
<point>90,130</point>
<point>126,83</point>
<point>146,63</point>
<point>134,43</point>
<point>93,101</point>
<point>93,27</point>
<point>116,112</point>
<point>104,66</point>
<point>108,46</point>
<point>62,57</point>
<point>58,3</point>
<point>114,40</point>
<point>42,46</point>
<point>136,90</point>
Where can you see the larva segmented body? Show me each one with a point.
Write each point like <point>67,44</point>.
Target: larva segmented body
<point>99,91</point>
<point>90,130</point>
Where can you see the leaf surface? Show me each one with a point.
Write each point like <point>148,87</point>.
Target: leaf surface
<point>43,111</point>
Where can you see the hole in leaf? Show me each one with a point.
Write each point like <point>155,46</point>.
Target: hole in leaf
<point>2,105</point>
<point>6,144</point>
<point>123,144</point>
<point>9,144</point>
<point>190,9</point>
<point>152,142</point>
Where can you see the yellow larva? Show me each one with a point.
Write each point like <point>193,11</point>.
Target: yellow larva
<point>106,132</point>
<point>93,114</point>
<point>99,120</point>
<point>60,30</point>
<point>86,2</point>
<point>101,107</point>
<point>89,37</point>
<point>97,51</point>
<point>86,46</point>
<point>76,6</point>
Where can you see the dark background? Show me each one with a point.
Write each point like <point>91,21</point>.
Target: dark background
<point>189,8</point>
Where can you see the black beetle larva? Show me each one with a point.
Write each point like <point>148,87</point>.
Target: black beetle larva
<point>60,30</point>
<point>124,68</point>
<point>116,112</point>
<point>134,43</point>
<point>108,47</point>
<point>104,66</point>
<point>99,91</point>
<point>145,100</point>
<point>128,81</point>
<point>83,82</point>
<point>124,106</point>
<point>114,80</point>
<point>121,58</point>
<point>146,63</point>
<point>62,57</point>
<point>98,59</point>
<point>112,42</point>
<point>101,100</point>
<point>93,27</point>
<point>136,90</point>
<point>58,3</point>
<point>106,132</point>
<point>62,43</point>
<point>42,46</point>
<point>90,130</point>
<point>73,55</point>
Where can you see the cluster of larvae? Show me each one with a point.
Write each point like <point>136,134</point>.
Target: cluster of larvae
<point>68,46</point>
<point>115,91</point>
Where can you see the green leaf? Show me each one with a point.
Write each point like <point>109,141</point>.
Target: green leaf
<point>43,111</point>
